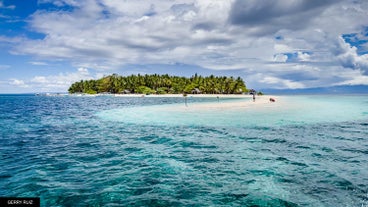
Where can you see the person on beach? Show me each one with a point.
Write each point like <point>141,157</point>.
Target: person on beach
<point>253,93</point>
<point>185,99</point>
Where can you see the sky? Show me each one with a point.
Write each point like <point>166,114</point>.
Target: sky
<point>45,45</point>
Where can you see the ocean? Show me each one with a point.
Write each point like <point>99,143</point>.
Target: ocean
<point>118,151</point>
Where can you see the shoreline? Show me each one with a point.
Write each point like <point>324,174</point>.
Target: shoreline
<point>156,95</point>
<point>261,101</point>
<point>234,102</point>
<point>181,95</point>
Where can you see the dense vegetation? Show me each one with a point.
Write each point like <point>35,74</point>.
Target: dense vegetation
<point>160,84</point>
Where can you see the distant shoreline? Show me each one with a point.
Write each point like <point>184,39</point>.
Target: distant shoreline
<point>188,95</point>
<point>150,95</point>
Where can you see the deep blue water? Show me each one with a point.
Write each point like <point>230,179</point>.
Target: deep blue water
<point>68,152</point>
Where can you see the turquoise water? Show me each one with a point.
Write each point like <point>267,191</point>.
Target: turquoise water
<point>292,110</point>
<point>104,151</point>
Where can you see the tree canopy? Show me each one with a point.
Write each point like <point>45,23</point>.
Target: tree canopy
<point>160,84</point>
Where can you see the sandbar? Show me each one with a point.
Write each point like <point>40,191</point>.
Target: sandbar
<point>235,102</point>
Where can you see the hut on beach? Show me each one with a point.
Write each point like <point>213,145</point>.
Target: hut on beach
<point>196,91</point>
<point>126,91</point>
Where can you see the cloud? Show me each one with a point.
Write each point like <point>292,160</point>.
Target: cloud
<point>83,71</point>
<point>280,58</point>
<point>303,56</point>
<point>12,40</point>
<point>37,63</point>
<point>3,67</point>
<point>349,57</point>
<point>354,77</point>
<point>59,3</point>
<point>60,82</point>
<point>257,37</point>
<point>266,17</point>
<point>133,37</point>
<point>281,83</point>
<point>18,83</point>
<point>2,6</point>
<point>53,83</point>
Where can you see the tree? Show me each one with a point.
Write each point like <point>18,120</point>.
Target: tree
<point>144,90</point>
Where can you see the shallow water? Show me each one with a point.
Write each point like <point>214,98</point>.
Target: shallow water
<point>286,111</point>
<point>75,151</point>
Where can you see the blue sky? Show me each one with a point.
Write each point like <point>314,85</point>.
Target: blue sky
<point>45,45</point>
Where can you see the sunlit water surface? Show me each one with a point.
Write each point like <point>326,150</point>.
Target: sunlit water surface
<point>105,151</point>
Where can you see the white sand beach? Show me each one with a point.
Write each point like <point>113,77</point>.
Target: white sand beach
<point>239,101</point>
<point>181,95</point>
<point>245,101</point>
<point>225,101</point>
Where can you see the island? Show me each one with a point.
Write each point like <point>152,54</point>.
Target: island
<point>160,84</point>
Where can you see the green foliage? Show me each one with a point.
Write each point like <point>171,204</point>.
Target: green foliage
<point>144,90</point>
<point>188,88</point>
<point>161,84</point>
<point>162,90</point>
<point>90,91</point>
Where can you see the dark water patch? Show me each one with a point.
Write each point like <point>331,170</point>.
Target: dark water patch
<point>252,139</point>
<point>140,190</point>
<point>161,140</point>
<point>344,184</point>
<point>148,138</point>
<point>187,193</point>
<point>231,198</point>
<point>132,149</point>
<point>303,147</point>
<point>263,128</point>
<point>299,164</point>
<point>196,145</point>
<point>109,154</point>
<point>266,201</point>
<point>287,161</point>
<point>238,195</point>
<point>287,180</point>
<point>355,151</point>
<point>85,145</point>
<point>154,202</point>
<point>317,155</point>
<point>207,159</point>
<point>319,191</point>
<point>276,140</point>
<point>327,149</point>
<point>152,181</point>
<point>5,176</point>
<point>283,159</point>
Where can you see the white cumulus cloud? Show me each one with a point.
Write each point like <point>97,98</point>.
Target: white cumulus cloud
<point>349,57</point>
<point>18,83</point>
<point>280,58</point>
<point>53,83</point>
<point>281,83</point>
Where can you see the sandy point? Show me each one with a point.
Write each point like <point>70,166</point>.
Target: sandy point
<point>246,101</point>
